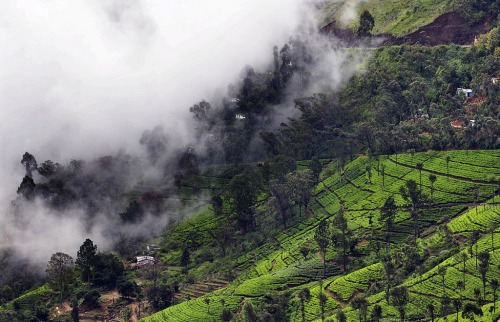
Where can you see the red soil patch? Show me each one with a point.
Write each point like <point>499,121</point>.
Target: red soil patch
<point>362,243</point>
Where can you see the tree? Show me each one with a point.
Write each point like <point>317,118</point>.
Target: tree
<point>491,229</point>
<point>376,313</point>
<point>279,200</point>
<point>360,303</point>
<point>27,188</point>
<point>471,310</point>
<point>322,302</point>
<point>127,288</point>
<point>243,192</point>
<point>315,167</point>
<point>432,179</point>
<point>60,270</point>
<point>430,309</point>
<point>341,317</point>
<point>368,169</point>
<point>457,303</point>
<point>420,166</point>
<point>303,296</point>
<point>200,110</point>
<point>226,315</point>
<point>304,250</point>
<point>494,286</point>
<point>321,236</point>
<point>75,314</point>
<point>300,183</point>
<point>185,258</point>
<point>366,23</point>
<point>342,238</point>
<point>442,272</point>
<point>249,311</point>
<point>160,296</point>
<point>29,163</point>
<point>447,165</point>
<point>399,299</point>
<point>382,170</point>
<point>85,258</point>
<point>388,215</point>
<point>389,270</point>
<point>484,259</point>
<point>474,238</point>
<point>461,287</point>
<point>415,199</point>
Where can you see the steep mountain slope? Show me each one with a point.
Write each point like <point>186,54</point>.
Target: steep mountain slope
<point>459,203</point>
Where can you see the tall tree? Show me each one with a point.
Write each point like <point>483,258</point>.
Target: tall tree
<point>376,313</point>
<point>243,190</point>
<point>59,271</point>
<point>457,303</point>
<point>322,302</point>
<point>399,299</point>
<point>432,179</point>
<point>29,163</point>
<point>387,216</point>
<point>300,183</point>
<point>415,199</point>
<point>366,23</point>
<point>321,236</point>
<point>315,167</point>
<point>448,165</point>
<point>484,263</point>
<point>85,258</point>
<point>491,229</point>
<point>494,287</point>
<point>420,166</point>
<point>341,238</point>
<point>361,304</point>
<point>368,169</point>
<point>430,309</point>
<point>382,170</point>
<point>303,296</point>
<point>279,201</point>
<point>442,272</point>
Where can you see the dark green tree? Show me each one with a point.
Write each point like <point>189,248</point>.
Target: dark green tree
<point>300,183</point>
<point>471,310</point>
<point>60,271</point>
<point>29,163</point>
<point>376,313</point>
<point>484,263</point>
<point>457,303</point>
<point>321,236</point>
<point>366,23</point>
<point>75,314</point>
<point>303,296</point>
<point>399,299</point>
<point>494,287</point>
<point>243,190</point>
<point>415,199</point>
<point>360,303</point>
<point>341,234</point>
<point>315,167</point>
<point>387,217</point>
<point>430,309</point>
<point>322,301</point>
<point>85,259</point>
<point>432,179</point>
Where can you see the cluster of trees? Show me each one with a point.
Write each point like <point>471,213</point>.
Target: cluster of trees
<point>406,100</point>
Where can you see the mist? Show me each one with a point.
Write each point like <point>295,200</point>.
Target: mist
<point>84,79</point>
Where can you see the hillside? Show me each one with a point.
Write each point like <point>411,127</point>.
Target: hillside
<point>462,202</point>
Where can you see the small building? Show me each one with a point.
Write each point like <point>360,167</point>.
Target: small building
<point>234,100</point>
<point>457,124</point>
<point>466,91</point>
<point>145,260</point>
<point>152,248</point>
<point>240,117</point>
<point>495,79</point>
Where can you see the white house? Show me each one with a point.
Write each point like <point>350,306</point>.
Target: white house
<point>466,91</point>
<point>495,79</point>
<point>240,116</point>
<point>145,260</point>
<point>153,248</point>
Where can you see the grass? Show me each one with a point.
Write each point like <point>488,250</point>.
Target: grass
<point>398,17</point>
